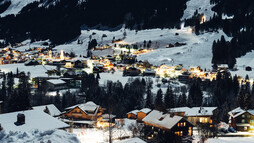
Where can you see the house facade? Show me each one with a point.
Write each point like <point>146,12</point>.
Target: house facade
<point>167,125</point>
<point>241,120</point>
<point>86,111</point>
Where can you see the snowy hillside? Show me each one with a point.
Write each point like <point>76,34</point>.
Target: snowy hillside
<point>16,6</point>
<point>203,7</point>
<point>54,136</point>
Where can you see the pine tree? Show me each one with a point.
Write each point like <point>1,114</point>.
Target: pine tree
<point>182,101</point>
<point>148,103</point>
<point>169,98</point>
<point>158,101</point>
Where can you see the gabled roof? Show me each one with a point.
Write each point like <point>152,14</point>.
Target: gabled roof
<point>90,108</point>
<point>53,111</point>
<point>132,140</point>
<point>56,81</point>
<point>145,110</point>
<point>162,120</point>
<point>135,112</point>
<point>195,111</point>
<point>34,119</point>
<point>238,111</point>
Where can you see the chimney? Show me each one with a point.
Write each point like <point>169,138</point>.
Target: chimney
<point>20,119</point>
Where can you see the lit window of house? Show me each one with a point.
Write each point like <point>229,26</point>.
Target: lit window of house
<point>245,128</point>
<point>243,121</point>
<point>190,131</point>
<point>251,121</point>
<point>243,115</point>
<point>248,116</point>
<point>184,124</point>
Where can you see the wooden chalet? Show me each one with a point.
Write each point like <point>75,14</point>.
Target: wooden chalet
<point>241,120</point>
<point>167,124</point>
<point>133,114</point>
<point>88,111</point>
<point>143,113</point>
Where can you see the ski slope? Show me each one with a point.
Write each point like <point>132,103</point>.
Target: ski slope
<point>16,6</point>
<point>203,7</point>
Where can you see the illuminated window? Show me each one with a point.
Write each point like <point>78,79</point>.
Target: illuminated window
<point>181,124</point>
<point>251,121</point>
<point>243,115</point>
<point>243,121</point>
<point>181,133</point>
<point>210,121</point>
<point>190,131</point>
<point>245,128</point>
<point>178,124</point>
<point>248,116</point>
<point>184,124</point>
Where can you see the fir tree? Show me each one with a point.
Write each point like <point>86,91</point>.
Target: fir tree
<point>158,103</point>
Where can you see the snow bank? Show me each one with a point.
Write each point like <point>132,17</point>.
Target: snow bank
<point>231,140</point>
<point>51,136</point>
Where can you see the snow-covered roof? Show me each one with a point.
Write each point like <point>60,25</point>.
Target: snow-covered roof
<point>56,81</point>
<point>88,107</point>
<point>1,102</point>
<point>135,112</point>
<point>238,111</point>
<point>160,119</point>
<point>34,119</point>
<point>132,140</point>
<point>152,71</point>
<point>145,110</point>
<point>53,111</point>
<point>195,111</point>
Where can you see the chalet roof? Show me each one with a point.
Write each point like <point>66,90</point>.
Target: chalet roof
<point>163,120</point>
<point>34,119</point>
<point>56,81</point>
<point>135,112</point>
<point>238,111</point>
<point>89,108</point>
<point>195,111</point>
<point>152,71</point>
<point>53,111</point>
<point>145,110</point>
<point>132,140</point>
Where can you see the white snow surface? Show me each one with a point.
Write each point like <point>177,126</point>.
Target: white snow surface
<point>35,71</point>
<point>194,111</point>
<point>53,111</point>
<point>16,6</point>
<point>132,140</point>
<point>163,120</point>
<point>54,136</point>
<point>203,7</point>
<point>231,140</point>
<point>34,119</point>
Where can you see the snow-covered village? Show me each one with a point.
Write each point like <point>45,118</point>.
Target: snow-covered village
<point>126,71</point>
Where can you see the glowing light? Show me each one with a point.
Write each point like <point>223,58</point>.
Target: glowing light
<point>62,55</point>
<point>203,19</point>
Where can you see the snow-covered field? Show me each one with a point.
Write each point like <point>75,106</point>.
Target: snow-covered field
<point>93,135</point>
<point>51,136</point>
<point>16,6</point>
<point>38,70</point>
<point>231,140</point>
<point>203,7</point>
